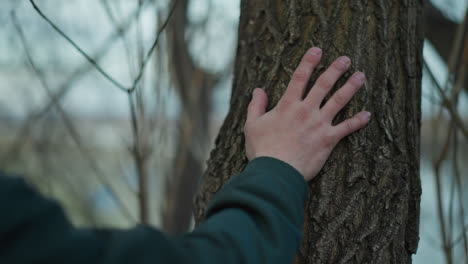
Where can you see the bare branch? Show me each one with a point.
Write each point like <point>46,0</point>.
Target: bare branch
<point>112,18</point>
<point>78,48</point>
<point>459,182</point>
<point>93,61</point>
<point>155,43</point>
<point>447,103</point>
<point>462,235</point>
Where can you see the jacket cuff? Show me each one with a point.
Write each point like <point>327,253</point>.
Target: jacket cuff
<point>279,167</point>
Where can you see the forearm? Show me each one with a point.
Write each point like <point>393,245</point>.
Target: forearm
<point>256,218</point>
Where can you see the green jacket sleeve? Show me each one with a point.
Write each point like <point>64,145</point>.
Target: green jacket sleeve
<point>256,217</point>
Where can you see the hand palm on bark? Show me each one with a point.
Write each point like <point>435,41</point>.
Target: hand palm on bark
<point>297,130</point>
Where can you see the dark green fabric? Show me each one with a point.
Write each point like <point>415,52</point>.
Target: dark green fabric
<point>256,218</point>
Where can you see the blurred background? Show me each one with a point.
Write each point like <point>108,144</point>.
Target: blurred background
<point>92,142</point>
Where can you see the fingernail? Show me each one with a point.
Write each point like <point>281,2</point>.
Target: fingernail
<point>315,51</point>
<point>360,76</point>
<point>345,60</point>
<point>367,116</point>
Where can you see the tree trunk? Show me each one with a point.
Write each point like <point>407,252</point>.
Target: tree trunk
<point>364,205</point>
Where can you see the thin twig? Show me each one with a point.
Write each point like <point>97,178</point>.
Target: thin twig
<point>155,43</point>
<point>459,182</point>
<point>456,58</point>
<point>461,236</point>
<point>452,192</point>
<point>437,168</point>
<point>447,103</point>
<point>140,57</point>
<point>93,61</point>
<point>140,160</point>
<point>78,48</point>
<point>106,6</point>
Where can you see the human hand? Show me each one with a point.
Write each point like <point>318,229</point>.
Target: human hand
<point>297,131</point>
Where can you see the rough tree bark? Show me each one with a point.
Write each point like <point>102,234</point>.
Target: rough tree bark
<point>364,205</point>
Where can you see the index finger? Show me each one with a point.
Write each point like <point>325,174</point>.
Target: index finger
<point>301,76</point>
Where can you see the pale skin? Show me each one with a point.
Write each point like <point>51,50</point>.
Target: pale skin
<point>297,130</point>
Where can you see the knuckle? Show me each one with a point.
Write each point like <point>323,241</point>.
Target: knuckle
<point>284,104</point>
<point>319,123</point>
<point>302,112</point>
<point>339,99</point>
<point>353,86</point>
<point>300,75</point>
<point>250,107</point>
<point>351,89</point>
<point>329,139</point>
<point>252,104</point>
<point>350,126</point>
<point>246,127</point>
<point>324,82</point>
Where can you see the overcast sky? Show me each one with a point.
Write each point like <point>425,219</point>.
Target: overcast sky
<point>86,22</point>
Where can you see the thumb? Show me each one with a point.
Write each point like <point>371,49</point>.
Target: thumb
<point>257,106</point>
